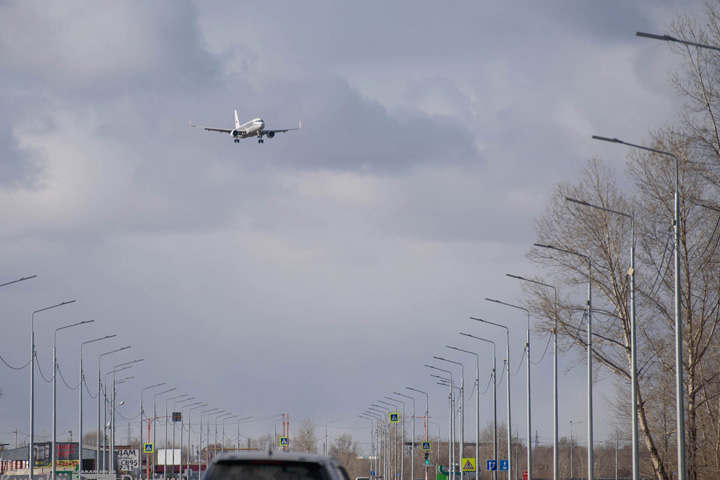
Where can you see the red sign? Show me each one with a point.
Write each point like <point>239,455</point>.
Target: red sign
<point>525,475</point>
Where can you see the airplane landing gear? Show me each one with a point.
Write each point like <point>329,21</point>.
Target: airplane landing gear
<point>237,141</point>
<point>260,140</point>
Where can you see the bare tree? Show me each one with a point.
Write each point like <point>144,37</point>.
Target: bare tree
<point>306,440</point>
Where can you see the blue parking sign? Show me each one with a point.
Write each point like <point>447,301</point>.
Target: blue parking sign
<point>503,465</point>
<point>491,465</point>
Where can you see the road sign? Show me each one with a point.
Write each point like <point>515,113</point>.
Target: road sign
<point>148,448</point>
<point>491,465</point>
<point>283,441</point>
<point>468,464</point>
<point>525,475</point>
<point>504,465</point>
<point>426,446</point>
<point>372,473</point>
<point>394,417</point>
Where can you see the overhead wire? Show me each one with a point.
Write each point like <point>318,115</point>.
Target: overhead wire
<point>14,368</point>
<point>544,353</point>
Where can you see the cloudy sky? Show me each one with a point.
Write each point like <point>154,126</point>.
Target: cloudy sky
<point>318,272</point>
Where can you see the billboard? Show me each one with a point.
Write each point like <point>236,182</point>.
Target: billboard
<point>66,455</point>
<point>172,455</point>
<point>128,460</point>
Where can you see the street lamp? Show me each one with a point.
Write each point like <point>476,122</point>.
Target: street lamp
<point>80,394</point>
<point>166,434</point>
<point>507,362</point>
<point>208,439</point>
<point>112,411</point>
<point>462,407</point>
<point>222,443</point>
<point>678,321</point>
<point>591,467</point>
<point>402,437</point>
<point>494,377</point>
<point>372,442</point>
<point>54,393</point>
<point>451,427</point>
<point>425,419</point>
<point>223,416</point>
<point>395,442</point>
<point>633,349</point>
<point>477,409</point>
<point>571,446</point>
<point>31,448</point>
<point>555,375</point>
<point>668,38</point>
<point>326,433</point>
<point>527,348</point>
<point>99,399</point>
<point>155,418</point>
<point>182,431</point>
<point>202,405</point>
<point>142,412</point>
<point>412,451</point>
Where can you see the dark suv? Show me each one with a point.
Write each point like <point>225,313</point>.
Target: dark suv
<point>275,466</point>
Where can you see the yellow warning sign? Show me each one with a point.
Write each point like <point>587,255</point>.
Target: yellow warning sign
<point>468,464</point>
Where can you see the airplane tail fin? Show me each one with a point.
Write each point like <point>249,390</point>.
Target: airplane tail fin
<point>237,122</point>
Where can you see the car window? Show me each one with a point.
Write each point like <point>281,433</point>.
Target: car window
<point>267,470</point>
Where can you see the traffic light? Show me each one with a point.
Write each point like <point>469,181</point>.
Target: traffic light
<point>177,416</point>
<point>427,458</point>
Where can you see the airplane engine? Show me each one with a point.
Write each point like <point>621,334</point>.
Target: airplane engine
<point>235,133</point>
<point>270,134</point>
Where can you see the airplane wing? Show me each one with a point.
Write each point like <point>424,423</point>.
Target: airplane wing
<point>285,130</point>
<point>211,129</point>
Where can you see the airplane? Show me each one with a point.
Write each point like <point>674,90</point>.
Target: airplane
<point>253,128</point>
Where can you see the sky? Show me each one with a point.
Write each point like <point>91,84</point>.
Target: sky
<point>318,272</point>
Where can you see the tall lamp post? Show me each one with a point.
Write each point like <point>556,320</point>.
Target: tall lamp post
<point>154,430</point>
<point>99,399</point>
<point>80,395</point>
<point>54,393</point>
<point>202,405</point>
<point>412,450</point>
<point>555,373</point>
<point>633,349</point>
<point>326,433</point>
<point>451,429</point>
<point>477,409</point>
<point>591,467</point>
<point>462,408</point>
<point>494,378</point>
<point>425,419</point>
<point>402,438</point>
<point>678,321</point>
<point>182,431</point>
<point>208,439</point>
<point>142,412</point>
<point>507,361</point>
<point>387,457</point>
<point>31,448</point>
<point>166,433</point>
<point>112,411</point>
<point>527,348</point>
<point>365,416</point>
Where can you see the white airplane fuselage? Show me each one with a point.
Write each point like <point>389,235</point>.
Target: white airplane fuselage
<point>248,129</point>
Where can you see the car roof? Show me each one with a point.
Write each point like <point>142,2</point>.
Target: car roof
<point>286,456</point>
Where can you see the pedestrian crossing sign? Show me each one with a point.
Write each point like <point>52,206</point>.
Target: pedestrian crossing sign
<point>283,441</point>
<point>468,464</point>
<point>147,447</point>
<point>394,418</point>
<point>426,446</point>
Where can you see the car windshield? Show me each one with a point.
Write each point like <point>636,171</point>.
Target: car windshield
<point>267,470</point>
